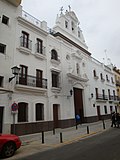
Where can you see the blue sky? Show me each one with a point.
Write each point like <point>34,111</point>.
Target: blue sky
<point>99,21</point>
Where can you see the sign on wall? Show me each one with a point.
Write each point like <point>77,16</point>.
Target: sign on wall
<point>14,107</point>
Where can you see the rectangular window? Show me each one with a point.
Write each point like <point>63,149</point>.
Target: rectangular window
<point>109,92</point>
<point>79,34</point>
<point>39,112</point>
<point>22,112</point>
<point>2,48</point>
<point>96,92</point>
<point>111,109</point>
<point>105,109</point>
<point>39,46</point>
<point>103,93</point>
<point>94,73</point>
<point>107,78</point>
<point>112,80</point>
<point>23,75</point>
<point>5,20</point>
<point>101,76</point>
<point>24,40</point>
<point>39,74</point>
<point>1,81</point>
<point>55,79</point>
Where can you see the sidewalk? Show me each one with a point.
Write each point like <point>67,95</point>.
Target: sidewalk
<point>34,143</point>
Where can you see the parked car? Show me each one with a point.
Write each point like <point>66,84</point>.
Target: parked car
<point>9,143</point>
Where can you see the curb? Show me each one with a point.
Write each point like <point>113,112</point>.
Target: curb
<point>76,139</point>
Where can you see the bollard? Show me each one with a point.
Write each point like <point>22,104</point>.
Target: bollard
<point>76,126</point>
<point>42,137</point>
<point>87,129</point>
<point>103,124</point>
<point>53,131</point>
<point>61,141</point>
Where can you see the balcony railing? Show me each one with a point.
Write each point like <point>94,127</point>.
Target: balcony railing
<point>96,77</point>
<point>105,97</point>
<point>116,98</point>
<point>31,19</point>
<point>101,97</point>
<point>111,98</point>
<point>102,79</point>
<point>26,43</point>
<point>32,81</point>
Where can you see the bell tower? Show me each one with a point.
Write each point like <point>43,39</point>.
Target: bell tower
<point>68,24</point>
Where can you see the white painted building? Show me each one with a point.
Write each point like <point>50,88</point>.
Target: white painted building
<point>58,78</point>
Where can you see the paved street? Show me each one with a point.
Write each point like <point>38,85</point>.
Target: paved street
<point>32,144</point>
<point>103,146</point>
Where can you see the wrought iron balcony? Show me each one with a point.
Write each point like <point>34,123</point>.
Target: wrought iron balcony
<point>26,43</point>
<point>111,98</point>
<point>101,97</point>
<point>96,77</point>
<point>32,81</point>
<point>116,98</point>
<point>102,79</point>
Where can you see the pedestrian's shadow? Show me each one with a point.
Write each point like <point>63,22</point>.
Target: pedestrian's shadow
<point>115,127</point>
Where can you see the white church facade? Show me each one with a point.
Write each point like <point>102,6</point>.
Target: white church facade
<point>57,79</point>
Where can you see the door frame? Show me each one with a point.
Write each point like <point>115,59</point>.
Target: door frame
<point>56,115</point>
<point>78,103</point>
<point>98,113</point>
<point>1,118</point>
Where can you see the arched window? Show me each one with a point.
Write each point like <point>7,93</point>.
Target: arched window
<point>94,73</point>
<point>23,112</point>
<point>72,26</point>
<point>101,76</point>
<point>54,54</point>
<point>79,34</point>
<point>39,111</point>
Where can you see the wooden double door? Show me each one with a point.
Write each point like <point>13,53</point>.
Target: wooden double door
<point>78,103</point>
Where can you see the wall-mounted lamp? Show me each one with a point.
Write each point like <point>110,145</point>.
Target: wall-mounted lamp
<point>91,95</point>
<point>15,71</point>
<point>71,93</point>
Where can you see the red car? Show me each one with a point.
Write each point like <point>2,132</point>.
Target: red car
<point>9,143</point>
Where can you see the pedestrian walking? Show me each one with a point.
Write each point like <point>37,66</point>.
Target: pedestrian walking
<point>113,118</point>
<point>77,117</point>
<point>117,119</point>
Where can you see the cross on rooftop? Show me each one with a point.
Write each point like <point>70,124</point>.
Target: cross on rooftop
<point>61,9</point>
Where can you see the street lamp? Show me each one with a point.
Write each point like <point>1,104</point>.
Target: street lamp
<point>15,71</point>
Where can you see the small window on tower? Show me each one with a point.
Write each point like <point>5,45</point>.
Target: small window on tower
<point>5,20</point>
<point>66,24</point>
<point>79,34</point>
<point>72,25</point>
